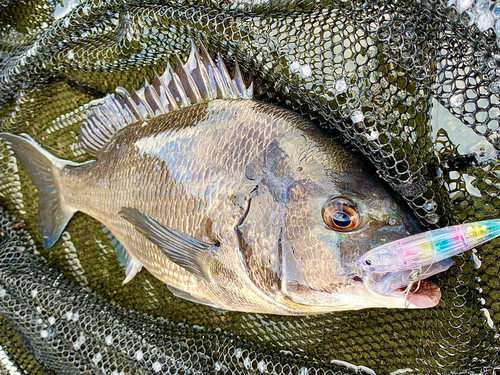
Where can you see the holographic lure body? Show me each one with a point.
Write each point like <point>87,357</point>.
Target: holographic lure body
<point>400,268</point>
<point>424,249</point>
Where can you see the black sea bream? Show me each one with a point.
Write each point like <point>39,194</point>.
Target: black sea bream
<point>233,203</point>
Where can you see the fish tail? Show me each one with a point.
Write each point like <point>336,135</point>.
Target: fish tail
<point>44,170</point>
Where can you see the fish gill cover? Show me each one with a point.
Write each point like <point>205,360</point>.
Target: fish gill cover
<point>412,85</point>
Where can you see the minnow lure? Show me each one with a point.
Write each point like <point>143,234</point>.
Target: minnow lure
<point>424,249</point>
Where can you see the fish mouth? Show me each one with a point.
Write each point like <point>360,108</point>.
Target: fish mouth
<point>423,294</point>
<point>410,285</point>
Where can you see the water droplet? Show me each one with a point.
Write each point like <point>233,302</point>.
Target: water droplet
<point>487,315</point>
<point>52,320</point>
<point>71,55</point>
<point>303,371</point>
<point>75,317</point>
<point>79,342</point>
<point>495,86</point>
<point>373,135</point>
<point>482,6</point>
<point>456,100</point>
<point>108,340</point>
<point>463,5</point>
<point>238,353</point>
<point>69,315</point>
<point>450,3</point>
<point>305,71</point>
<point>341,86</point>
<point>496,11</point>
<point>3,293</point>
<point>34,293</point>
<point>432,218</point>
<point>97,358</point>
<point>262,366</point>
<point>485,21</point>
<point>139,355</point>
<point>44,334</point>
<point>430,206</point>
<point>217,366</point>
<point>294,67</point>
<point>157,366</point>
<point>357,116</point>
<point>476,260</point>
<point>247,363</point>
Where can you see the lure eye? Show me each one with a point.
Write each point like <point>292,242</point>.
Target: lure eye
<point>368,262</point>
<point>341,214</point>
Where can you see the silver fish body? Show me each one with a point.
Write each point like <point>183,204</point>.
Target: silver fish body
<point>233,203</point>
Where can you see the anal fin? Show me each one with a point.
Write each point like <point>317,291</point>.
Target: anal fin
<point>188,296</point>
<point>131,266</point>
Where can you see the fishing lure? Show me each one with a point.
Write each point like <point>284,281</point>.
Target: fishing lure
<point>424,249</point>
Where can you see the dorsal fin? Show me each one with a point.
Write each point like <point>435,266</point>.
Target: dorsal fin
<point>197,80</point>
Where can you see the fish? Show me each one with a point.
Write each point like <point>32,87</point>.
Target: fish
<point>387,269</point>
<point>233,203</point>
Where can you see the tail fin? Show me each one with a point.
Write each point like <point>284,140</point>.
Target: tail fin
<point>43,168</point>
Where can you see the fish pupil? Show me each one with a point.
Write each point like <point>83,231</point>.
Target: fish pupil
<point>341,219</point>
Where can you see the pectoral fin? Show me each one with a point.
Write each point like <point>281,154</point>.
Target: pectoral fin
<point>179,247</point>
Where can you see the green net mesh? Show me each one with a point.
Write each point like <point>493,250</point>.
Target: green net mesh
<point>412,85</point>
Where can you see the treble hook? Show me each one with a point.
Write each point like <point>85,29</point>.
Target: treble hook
<point>413,277</point>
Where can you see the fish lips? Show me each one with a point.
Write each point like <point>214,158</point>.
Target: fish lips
<point>410,285</point>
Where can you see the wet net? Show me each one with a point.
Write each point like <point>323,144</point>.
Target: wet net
<point>413,86</point>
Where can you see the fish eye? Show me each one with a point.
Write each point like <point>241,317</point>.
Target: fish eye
<point>340,214</point>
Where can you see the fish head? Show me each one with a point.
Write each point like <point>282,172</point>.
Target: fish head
<point>317,209</point>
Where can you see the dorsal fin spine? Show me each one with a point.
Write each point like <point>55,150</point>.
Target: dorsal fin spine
<point>141,104</point>
<point>164,95</point>
<point>126,100</point>
<point>154,101</point>
<point>187,82</point>
<point>197,70</point>
<point>228,82</point>
<point>238,80</point>
<point>198,80</point>
<point>212,71</point>
<point>249,92</point>
<point>171,99</point>
<point>172,83</point>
